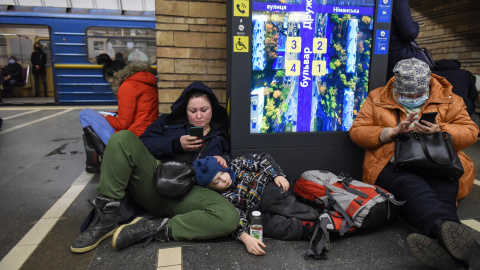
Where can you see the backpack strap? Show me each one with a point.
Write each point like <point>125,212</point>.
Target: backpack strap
<point>389,198</point>
<point>320,241</point>
<point>346,185</point>
<point>337,207</point>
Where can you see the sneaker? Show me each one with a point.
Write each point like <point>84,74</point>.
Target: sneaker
<point>140,229</point>
<point>431,253</point>
<point>103,225</point>
<point>460,243</point>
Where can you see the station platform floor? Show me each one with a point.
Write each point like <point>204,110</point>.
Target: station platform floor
<point>43,200</point>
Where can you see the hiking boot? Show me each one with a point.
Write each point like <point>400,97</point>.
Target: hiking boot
<point>102,226</point>
<point>460,243</point>
<point>141,229</point>
<point>431,253</point>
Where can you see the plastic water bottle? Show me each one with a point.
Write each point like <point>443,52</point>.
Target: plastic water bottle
<point>256,228</point>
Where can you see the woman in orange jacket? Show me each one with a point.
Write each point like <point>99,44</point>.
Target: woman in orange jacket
<point>430,206</point>
<point>135,87</point>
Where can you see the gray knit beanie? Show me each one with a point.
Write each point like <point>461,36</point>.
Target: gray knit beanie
<point>412,76</point>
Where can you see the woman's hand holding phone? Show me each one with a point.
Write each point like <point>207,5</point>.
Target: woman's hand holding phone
<point>427,124</point>
<point>190,143</point>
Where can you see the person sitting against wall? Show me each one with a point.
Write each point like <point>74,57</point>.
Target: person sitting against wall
<point>39,60</point>
<point>202,213</point>
<point>135,87</point>
<point>431,200</point>
<point>11,76</point>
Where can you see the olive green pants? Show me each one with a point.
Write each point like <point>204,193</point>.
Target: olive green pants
<point>201,214</point>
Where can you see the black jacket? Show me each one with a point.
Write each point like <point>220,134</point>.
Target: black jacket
<point>403,30</point>
<point>38,58</point>
<point>162,137</point>
<point>462,81</point>
<point>14,70</point>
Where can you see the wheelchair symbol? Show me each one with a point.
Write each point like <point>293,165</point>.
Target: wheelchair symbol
<point>240,46</point>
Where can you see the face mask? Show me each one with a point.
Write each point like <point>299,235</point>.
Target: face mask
<point>11,61</point>
<point>413,103</point>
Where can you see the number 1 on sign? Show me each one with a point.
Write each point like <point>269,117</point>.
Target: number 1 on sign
<point>319,68</point>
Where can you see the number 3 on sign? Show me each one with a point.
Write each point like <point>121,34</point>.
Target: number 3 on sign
<point>294,44</point>
<point>292,68</point>
<point>319,68</point>
<point>319,45</point>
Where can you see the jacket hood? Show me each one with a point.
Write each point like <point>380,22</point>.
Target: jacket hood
<point>179,107</point>
<point>130,71</point>
<point>446,64</point>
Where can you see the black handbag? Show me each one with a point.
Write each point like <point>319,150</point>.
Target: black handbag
<point>421,53</point>
<point>428,153</point>
<point>174,179</point>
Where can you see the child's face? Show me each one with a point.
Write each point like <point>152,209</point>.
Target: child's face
<point>221,181</point>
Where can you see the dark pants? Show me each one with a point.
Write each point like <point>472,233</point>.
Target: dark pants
<point>37,77</point>
<point>428,198</point>
<point>8,87</point>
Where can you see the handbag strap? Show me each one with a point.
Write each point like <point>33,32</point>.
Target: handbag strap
<point>445,137</point>
<point>203,148</point>
<point>415,45</point>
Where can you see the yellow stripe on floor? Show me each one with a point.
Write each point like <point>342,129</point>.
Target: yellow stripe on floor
<point>169,259</point>
<point>472,223</point>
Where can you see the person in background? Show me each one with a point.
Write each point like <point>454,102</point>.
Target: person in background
<point>431,200</point>
<point>135,87</point>
<point>201,214</point>
<point>462,81</point>
<point>119,57</point>
<point>11,75</point>
<point>403,31</point>
<point>39,60</point>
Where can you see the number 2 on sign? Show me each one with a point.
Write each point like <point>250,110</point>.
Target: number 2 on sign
<point>319,68</point>
<point>294,44</point>
<point>319,45</point>
<point>292,68</point>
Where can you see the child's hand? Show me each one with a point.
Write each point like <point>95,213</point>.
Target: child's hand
<point>254,246</point>
<point>221,161</point>
<point>282,181</point>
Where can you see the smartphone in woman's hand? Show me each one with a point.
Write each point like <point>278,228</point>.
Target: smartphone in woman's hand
<point>429,117</point>
<point>196,132</point>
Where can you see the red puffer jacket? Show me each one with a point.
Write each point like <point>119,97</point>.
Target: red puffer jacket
<point>137,98</point>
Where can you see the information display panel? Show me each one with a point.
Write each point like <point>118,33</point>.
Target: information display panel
<point>298,71</point>
<point>311,62</point>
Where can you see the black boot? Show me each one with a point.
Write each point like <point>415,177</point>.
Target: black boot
<point>141,229</point>
<point>96,141</point>
<point>431,253</point>
<point>460,243</point>
<point>103,225</point>
<point>93,159</point>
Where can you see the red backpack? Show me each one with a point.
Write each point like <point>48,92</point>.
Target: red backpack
<point>345,204</point>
